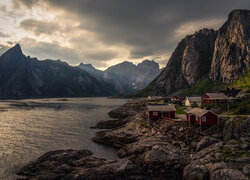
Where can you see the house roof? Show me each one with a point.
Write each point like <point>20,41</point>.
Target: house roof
<point>198,112</point>
<point>194,99</point>
<point>217,95</point>
<point>231,92</point>
<point>161,108</point>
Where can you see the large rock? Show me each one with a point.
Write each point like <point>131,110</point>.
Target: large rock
<point>157,156</point>
<point>111,124</point>
<point>228,174</point>
<point>124,111</point>
<point>222,160</point>
<point>80,164</point>
<point>235,128</point>
<point>205,142</point>
<point>127,134</point>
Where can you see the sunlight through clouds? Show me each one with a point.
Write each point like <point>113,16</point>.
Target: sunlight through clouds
<point>106,32</point>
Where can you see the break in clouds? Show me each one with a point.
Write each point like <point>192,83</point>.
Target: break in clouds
<point>106,32</point>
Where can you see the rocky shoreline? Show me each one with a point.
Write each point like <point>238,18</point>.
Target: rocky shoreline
<point>161,150</point>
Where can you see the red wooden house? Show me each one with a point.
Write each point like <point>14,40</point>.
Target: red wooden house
<point>156,112</point>
<point>202,117</point>
<point>211,98</point>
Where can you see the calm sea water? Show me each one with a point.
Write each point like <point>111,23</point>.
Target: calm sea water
<point>29,128</point>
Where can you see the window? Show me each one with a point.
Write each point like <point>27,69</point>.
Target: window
<point>155,113</point>
<point>204,119</point>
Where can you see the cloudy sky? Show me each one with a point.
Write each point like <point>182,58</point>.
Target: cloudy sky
<point>106,32</point>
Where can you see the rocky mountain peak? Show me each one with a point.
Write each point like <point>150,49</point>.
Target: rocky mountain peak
<point>238,13</point>
<point>15,50</point>
<point>13,54</point>
<point>221,56</point>
<point>148,64</point>
<point>231,52</point>
<point>86,65</point>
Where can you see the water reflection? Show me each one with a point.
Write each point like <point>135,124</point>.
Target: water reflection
<point>29,128</point>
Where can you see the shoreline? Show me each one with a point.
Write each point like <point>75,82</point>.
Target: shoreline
<point>158,151</point>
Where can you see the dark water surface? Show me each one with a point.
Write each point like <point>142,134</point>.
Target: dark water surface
<point>29,128</point>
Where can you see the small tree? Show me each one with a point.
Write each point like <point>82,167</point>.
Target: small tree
<point>194,105</point>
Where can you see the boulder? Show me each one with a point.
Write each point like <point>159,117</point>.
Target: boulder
<point>126,134</point>
<point>205,142</point>
<point>157,156</point>
<point>111,124</point>
<point>80,164</point>
<point>228,174</point>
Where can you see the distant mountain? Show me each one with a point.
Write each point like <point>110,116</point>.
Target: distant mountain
<point>206,58</point>
<point>22,77</point>
<point>126,77</point>
<point>98,74</point>
<point>147,71</point>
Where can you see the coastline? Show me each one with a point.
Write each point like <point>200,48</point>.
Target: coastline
<point>161,150</point>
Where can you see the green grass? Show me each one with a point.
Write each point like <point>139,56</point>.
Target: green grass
<point>242,83</point>
<point>202,87</point>
<point>180,110</point>
<point>235,108</point>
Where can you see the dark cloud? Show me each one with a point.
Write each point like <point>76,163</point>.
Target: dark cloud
<point>53,50</point>
<point>148,27</point>
<point>39,27</point>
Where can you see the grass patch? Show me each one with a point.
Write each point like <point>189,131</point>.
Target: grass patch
<point>242,83</point>
<point>235,108</point>
<point>228,153</point>
<point>203,87</point>
<point>180,110</point>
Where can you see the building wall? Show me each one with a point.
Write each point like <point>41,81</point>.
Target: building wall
<point>187,103</point>
<point>211,119</point>
<point>155,117</point>
<point>160,115</point>
<point>172,114</point>
<point>207,100</point>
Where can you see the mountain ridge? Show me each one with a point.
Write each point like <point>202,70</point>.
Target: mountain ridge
<point>207,55</point>
<point>126,76</point>
<point>25,77</point>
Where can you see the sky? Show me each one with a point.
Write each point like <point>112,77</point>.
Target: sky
<point>107,32</point>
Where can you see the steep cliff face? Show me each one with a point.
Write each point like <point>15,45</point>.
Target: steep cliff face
<point>231,55</point>
<point>171,77</point>
<point>197,56</point>
<point>189,63</point>
<point>221,56</point>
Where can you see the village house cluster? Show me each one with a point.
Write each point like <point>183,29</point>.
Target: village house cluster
<point>164,107</point>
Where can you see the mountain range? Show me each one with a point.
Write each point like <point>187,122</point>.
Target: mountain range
<point>25,77</point>
<point>206,58</point>
<point>126,76</point>
<point>200,61</point>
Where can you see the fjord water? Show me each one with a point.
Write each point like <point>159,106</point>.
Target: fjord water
<point>29,128</point>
